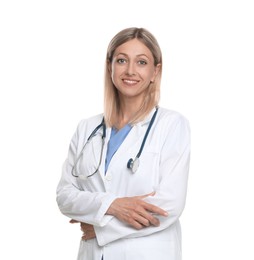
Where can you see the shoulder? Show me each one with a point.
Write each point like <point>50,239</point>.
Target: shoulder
<point>171,117</point>
<point>88,124</point>
<point>91,120</point>
<point>174,128</point>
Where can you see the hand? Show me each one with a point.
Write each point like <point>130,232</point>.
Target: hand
<point>88,230</point>
<point>135,211</point>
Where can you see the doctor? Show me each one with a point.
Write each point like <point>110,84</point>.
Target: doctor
<point>125,177</point>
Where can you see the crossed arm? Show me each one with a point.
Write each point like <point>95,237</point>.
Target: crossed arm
<point>131,210</point>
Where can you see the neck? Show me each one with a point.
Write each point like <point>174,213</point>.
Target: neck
<point>128,110</point>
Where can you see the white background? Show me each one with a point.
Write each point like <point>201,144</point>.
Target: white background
<point>51,76</point>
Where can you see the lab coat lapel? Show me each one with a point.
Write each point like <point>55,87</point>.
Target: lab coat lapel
<point>102,166</point>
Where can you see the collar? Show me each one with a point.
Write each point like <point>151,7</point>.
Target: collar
<point>148,117</point>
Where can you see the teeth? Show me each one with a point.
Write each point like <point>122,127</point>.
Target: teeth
<point>130,81</point>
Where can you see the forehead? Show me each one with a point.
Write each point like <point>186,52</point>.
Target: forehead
<point>133,47</point>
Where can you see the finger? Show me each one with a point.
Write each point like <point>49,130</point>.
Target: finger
<point>150,212</point>
<point>146,218</point>
<point>141,219</point>
<point>146,195</point>
<point>72,221</point>
<point>154,209</point>
<point>86,226</point>
<point>136,224</point>
<point>152,219</point>
<point>88,235</point>
<point>83,227</point>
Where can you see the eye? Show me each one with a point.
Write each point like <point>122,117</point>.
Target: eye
<point>121,61</point>
<point>142,62</point>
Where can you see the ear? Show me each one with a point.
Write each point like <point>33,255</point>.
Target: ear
<point>109,67</point>
<point>156,71</point>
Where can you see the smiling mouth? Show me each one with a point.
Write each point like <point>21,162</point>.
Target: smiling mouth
<point>130,82</point>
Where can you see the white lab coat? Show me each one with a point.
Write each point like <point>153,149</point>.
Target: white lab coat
<point>164,166</point>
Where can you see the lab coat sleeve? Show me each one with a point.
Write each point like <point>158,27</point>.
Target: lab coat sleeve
<point>170,193</point>
<point>76,203</point>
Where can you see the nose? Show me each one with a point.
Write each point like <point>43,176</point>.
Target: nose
<point>130,69</point>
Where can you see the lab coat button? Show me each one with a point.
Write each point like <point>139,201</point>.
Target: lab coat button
<point>108,177</point>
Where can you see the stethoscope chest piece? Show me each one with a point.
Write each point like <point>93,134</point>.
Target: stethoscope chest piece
<point>133,164</point>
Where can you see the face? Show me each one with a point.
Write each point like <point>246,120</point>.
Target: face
<point>133,69</point>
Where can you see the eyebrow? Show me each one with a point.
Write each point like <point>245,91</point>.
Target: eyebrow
<point>124,54</point>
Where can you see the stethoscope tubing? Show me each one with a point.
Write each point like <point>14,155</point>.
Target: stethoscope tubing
<point>73,170</point>
<point>147,133</point>
<point>131,164</point>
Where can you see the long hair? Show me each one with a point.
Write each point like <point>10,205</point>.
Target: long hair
<point>111,97</point>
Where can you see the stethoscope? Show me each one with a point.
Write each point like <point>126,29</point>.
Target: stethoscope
<point>132,164</point>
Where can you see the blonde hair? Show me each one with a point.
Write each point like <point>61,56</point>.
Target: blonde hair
<point>111,98</point>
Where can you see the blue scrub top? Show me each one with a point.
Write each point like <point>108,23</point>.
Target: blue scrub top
<point>116,139</point>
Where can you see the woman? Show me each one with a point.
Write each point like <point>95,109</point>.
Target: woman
<point>125,178</point>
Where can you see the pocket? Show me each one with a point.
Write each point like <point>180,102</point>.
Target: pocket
<point>149,166</point>
<point>149,159</point>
